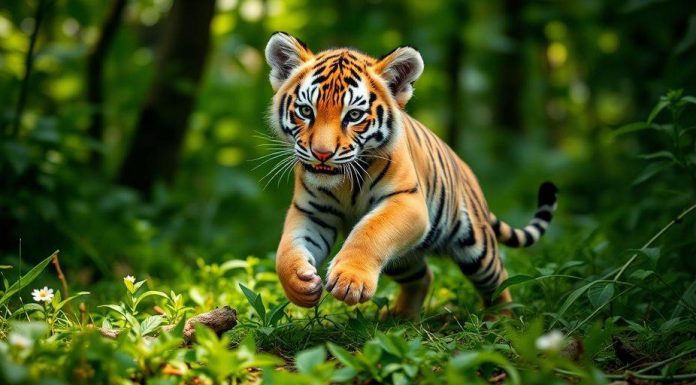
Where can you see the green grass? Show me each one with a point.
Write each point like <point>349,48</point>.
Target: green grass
<point>333,343</point>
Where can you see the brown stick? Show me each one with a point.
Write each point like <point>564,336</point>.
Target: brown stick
<point>62,279</point>
<point>219,320</point>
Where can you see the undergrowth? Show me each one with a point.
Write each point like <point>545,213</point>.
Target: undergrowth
<point>583,311</point>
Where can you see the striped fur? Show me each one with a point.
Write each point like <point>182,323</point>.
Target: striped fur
<point>365,168</point>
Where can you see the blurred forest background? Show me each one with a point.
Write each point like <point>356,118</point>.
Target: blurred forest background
<point>128,137</point>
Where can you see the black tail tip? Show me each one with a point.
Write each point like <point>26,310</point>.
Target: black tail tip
<point>547,193</point>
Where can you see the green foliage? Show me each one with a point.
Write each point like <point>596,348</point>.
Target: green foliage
<point>523,95</point>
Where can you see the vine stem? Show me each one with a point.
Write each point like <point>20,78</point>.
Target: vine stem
<point>28,65</point>
<point>678,219</point>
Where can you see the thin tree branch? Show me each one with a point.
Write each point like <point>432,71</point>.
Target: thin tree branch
<point>95,73</point>
<point>28,65</point>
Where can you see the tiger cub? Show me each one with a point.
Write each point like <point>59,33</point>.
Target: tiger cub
<point>364,167</point>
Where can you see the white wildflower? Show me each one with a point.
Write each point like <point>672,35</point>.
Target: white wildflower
<point>42,295</point>
<point>551,341</point>
<point>129,278</point>
<point>19,341</point>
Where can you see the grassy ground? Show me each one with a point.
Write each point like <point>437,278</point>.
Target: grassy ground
<point>570,326</point>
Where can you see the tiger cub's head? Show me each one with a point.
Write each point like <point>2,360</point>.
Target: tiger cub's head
<point>338,107</point>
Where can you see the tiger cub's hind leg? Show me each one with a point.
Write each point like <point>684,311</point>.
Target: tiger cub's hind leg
<point>482,264</point>
<point>414,281</point>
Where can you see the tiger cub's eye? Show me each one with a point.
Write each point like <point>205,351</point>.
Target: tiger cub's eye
<point>306,112</point>
<point>354,115</point>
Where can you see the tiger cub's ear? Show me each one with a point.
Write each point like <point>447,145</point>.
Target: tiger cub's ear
<point>400,68</point>
<point>284,53</point>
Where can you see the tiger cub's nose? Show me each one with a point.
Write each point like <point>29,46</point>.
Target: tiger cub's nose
<point>322,155</point>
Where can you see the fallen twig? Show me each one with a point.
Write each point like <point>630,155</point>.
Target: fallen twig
<point>219,320</point>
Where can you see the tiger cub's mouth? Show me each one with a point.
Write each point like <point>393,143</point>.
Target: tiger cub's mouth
<point>322,169</point>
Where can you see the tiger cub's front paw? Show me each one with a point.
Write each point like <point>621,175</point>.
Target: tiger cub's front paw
<point>351,284</point>
<point>302,285</point>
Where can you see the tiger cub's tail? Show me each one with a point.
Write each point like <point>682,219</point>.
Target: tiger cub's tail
<point>536,227</point>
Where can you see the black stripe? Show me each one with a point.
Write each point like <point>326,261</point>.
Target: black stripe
<point>455,230</point>
<point>489,282</point>
<point>328,193</point>
<point>434,232</point>
<point>487,271</point>
<point>319,79</point>
<point>347,150</point>
<point>310,192</point>
<point>528,238</point>
<point>391,194</point>
<point>326,243</point>
<point>472,267</point>
<point>544,215</point>
<point>304,211</point>
<point>539,228</point>
<point>416,275</point>
<point>396,269</point>
<point>513,241</point>
<point>310,240</point>
<point>314,219</point>
<point>323,224</point>
<point>381,174</point>
<point>415,131</point>
<point>327,209</point>
<point>469,241</point>
<point>496,226</point>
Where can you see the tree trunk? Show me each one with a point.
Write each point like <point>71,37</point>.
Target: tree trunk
<point>454,68</point>
<point>95,76</point>
<point>507,111</point>
<point>163,122</point>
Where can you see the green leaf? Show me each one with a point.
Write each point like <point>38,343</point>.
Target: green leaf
<point>118,309</point>
<point>27,278</point>
<point>661,105</point>
<point>129,285</point>
<point>343,375</point>
<point>380,302</point>
<point>60,305</point>
<point>601,294</point>
<point>689,38</point>
<point>27,308</point>
<point>138,285</point>
<point>514,280</point>
<point>150,324</point>
<point>650,171</point>
<point>18,155</point>
<point>343,356</point>
<point>571,299</point>
<point>641,274</point>
<point>652,253</point>
<point>372,351</point>
<point>393,344</point>
<point>255,301</point>
<point>306,360</point>
<point>149,293</point>
<point>400,379</point>
<point>471,361</point>
<point>233,264</point>
<point>631,127</point>
<point>277,313</point>
<point>659,155</point>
